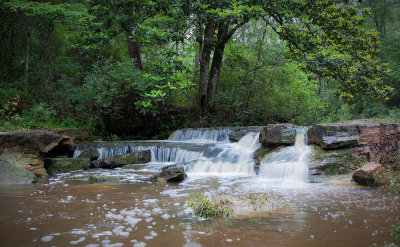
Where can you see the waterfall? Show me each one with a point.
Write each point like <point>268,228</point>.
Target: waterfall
<point>166,154</point>
<point>235,158</point>
<point>289,162</point>
<point>158,153</point>
<point>201,135</point>
<point>209,151</point>
<point>250,141</point>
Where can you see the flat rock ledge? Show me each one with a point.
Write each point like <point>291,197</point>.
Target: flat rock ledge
<point>138,157</point>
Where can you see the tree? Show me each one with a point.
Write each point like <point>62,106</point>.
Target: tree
<point>214,23</point>
<point>326,35</point>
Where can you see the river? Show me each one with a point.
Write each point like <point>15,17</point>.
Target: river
<point>68,209</point>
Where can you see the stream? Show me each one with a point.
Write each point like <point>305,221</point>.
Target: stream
<point>67,209</point>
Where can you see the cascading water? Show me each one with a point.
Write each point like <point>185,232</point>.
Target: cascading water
<point>289,163</point>
<point>166,154</point>
<point>235,158</point>
<point>201,135</point>
<point>209,151</point>
<point>158,153</point>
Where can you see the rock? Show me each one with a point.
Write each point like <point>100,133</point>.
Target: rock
<point>30,162</point>
<point>28,148</point>
<point>60,165</point>
<point>171,174</point>
<point>105,179</point>
<point>336,135</point>
<point>330,162</point>
<point>238,132</point>
<point>76,135</point>
<point>260,155</point>
<point>33,141</point>
<point>278,134</point>
<point>138,157</point>
<point>36,166</point>
<point>366,174</point>
<point>90,153</point>
<point>13,174</point>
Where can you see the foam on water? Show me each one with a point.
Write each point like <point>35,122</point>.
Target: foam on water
<point>288,165</point>
<point>233,159</point>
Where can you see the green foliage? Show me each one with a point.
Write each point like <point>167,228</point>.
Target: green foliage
<point>68,64</point>
<point>112,89</point>
<point>209,207</point>
<point>259,86</point>
<point>396,231</point>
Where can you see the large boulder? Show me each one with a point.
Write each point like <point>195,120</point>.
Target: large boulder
<point>61,165</point>
<point>366,175</point>
<point>30,162</point>
<point>171,174</point>
<point>138,157</point>
<point>28,148</point>
<point>14,174</point>
<point>278,134</point>
<point>239,132</point>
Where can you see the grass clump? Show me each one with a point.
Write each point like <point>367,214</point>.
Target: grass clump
<point>206,207</point>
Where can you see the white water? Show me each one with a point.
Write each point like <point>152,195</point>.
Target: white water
<point>209,152</point>
<point>158,153</point>
<point>234,159</point>
<point>201,135</point>
<point>289,163</point>
<point>166,154</point>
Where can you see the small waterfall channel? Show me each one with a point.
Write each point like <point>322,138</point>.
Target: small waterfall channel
<point>289,163</point>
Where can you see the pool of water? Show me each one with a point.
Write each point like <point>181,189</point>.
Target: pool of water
<point>68,210</point>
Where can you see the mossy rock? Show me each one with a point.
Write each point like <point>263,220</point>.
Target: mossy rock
<point>331,162</point>
<point>14,174</point>
<point>105,179</point>
<point>261,154</point>
<point>60,165</point>
<point>138,157</point>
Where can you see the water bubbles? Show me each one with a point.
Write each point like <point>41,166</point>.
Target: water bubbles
<point>47,238</point>
<point>81,239</point>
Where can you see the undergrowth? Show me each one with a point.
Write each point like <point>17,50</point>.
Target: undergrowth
<point>206,207</point>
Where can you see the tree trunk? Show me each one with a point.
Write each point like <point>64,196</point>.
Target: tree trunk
<point>134,48</point>
<point>205,64</point>
<point>217,61</point>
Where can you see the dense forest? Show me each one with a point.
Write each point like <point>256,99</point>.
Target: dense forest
<point>142,68</point>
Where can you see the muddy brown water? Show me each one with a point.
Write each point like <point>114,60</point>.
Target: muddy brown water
<point>67,210</point>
